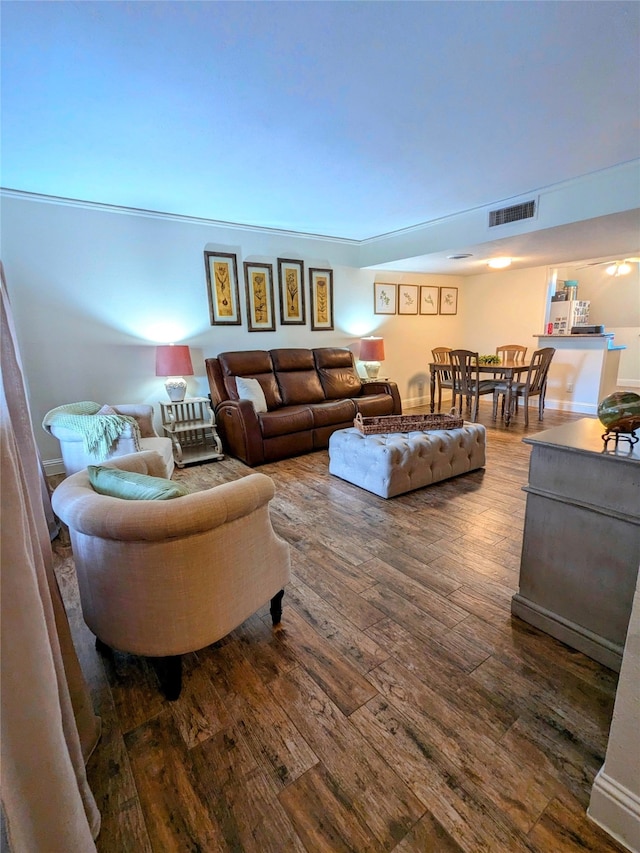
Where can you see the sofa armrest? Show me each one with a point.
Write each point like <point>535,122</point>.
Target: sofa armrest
<point>384,387</point>
<point>126,442</point>
<point>239,429</point>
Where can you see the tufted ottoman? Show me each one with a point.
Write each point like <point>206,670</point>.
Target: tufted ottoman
<point>397,462</point>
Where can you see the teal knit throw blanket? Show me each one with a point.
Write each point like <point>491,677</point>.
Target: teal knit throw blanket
<point>99,432</point>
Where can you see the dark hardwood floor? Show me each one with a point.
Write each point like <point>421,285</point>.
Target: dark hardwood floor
<point>399,707</point>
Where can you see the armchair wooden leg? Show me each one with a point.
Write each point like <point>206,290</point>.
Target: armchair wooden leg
<point>276,607</point>
<point>169,672</point>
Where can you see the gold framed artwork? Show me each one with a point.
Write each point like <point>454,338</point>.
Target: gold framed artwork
<point>291,292</point>
<point>407,299</point>
<point>448,300</point>
<point>222,288</point>
<point>429,299</point>
<point>384,298</point>
<point>259,286</point>
<point>321,301</point>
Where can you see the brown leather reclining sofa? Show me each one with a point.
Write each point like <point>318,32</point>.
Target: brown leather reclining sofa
<point>310,393</point>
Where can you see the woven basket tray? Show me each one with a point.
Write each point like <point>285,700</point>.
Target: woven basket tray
<point>406,423</point>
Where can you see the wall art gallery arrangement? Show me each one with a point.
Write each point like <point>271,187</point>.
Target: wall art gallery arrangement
<point>414,299</point>
<point>223,290</point>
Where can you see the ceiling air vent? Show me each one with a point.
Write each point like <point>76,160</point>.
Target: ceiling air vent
<point>526,210</point>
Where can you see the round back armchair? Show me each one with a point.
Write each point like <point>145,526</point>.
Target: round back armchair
<point>161,578</point>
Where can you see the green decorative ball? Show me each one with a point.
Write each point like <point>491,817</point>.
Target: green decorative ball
<point>620,412</point>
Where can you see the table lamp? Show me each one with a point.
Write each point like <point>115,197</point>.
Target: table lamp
<point>174,362</point>
<point>372,353</point>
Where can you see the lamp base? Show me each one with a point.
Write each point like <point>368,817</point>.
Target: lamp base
<point>372,368</point>
<point>176,388</point>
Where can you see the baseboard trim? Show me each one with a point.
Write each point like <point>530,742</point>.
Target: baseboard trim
<point>53,466</point>
<point>571,406</point>
<point>597,648</point>
<point>414,402</point>
<point>616,809</point>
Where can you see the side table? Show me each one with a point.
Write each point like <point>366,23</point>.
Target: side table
<point>191,426</point>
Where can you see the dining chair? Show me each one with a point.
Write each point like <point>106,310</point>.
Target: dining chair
<point>534,384</point>
<point>512,352</point>
<point>466,380</point>
<point>444,378</point>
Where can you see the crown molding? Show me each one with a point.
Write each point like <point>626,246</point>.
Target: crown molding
<point>41,198</point>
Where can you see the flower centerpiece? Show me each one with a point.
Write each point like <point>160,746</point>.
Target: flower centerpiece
<point>489,359</point>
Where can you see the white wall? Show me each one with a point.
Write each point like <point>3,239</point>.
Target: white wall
<point>615,798</point>
<point>615,304</point>
<point>90,288</point>
<point>93,287</point>
<point>504,307</point>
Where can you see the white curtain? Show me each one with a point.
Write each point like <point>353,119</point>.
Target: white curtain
<point>48,727</point>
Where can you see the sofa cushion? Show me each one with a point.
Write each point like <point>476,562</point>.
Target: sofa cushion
<point>337,372</point>
<point>300,386</point>
<point>250,389</point>
<point>286,420</point>
<point>298,381</point>
<point>130,486</point>
<point>292,359</point>
<point>333,412</point>
<point>339,382</point>
<point>253,364</point>
<point>245,363</point>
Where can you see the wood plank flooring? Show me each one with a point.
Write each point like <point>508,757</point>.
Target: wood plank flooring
<point>400,707</point>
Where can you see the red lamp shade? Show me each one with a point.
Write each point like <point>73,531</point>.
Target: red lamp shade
<point>173,361</point>
<point>372,349</point>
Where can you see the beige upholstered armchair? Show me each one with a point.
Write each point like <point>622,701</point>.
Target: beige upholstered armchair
<point>64,424</point>
<point>167,577</point>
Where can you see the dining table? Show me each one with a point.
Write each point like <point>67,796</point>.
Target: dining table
<point>506,372</point>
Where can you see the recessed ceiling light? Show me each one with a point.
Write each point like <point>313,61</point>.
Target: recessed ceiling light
<point>499,263</point>
<point>619,268</point>
<point>458,257</point>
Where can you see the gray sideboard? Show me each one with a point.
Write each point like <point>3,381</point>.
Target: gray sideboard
<point>581,546</point>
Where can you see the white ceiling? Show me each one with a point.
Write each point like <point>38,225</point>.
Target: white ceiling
<point>347,119</point>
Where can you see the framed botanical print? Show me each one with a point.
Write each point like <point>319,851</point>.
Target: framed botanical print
<point>448,300</point>
<point>384,298</point>
<point>258,280</point>
<point>291,292</point>
<point>429,297</point>
<point>407,299</point>
<point>321,302</point>
<point>222,287</point>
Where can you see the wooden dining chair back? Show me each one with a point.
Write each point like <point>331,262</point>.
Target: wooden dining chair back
<point>515,353</point>
<point>467,384</point>
<point>534,384</point>
<point>444,379</point>
<point>512,352</point>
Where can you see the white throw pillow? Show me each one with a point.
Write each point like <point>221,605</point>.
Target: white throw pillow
<point>250,389</point>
